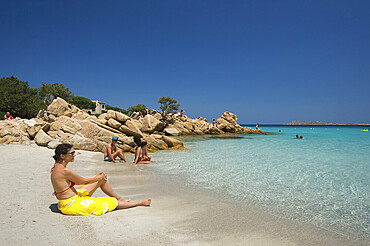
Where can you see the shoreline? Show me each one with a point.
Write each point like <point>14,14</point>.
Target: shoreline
<point>178,214</point>
<point>293,231</point>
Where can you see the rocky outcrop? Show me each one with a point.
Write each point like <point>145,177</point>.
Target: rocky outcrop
<point>65,123</point>
<point>158,116</point>
<point>14,131</point>
<point>171,131</point>
<point>214,130</point>
<point>172,142</point>
<point>150,124</point>
<point>80,142</point>
<point>37,126</point>
<point>42,138</point>
<point>227,123</point>
<point>113,123</point>
<point>136,133</point>
<point>134,127</point>
<point>155,143</point>
<point>121,117</point>
<point>59,107</point>
<point>53,144</point>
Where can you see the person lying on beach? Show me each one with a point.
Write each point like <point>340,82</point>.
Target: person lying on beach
<point>73,201</point>
<point>297,136</point>
<point>111,152</point>
<point>141,154</point>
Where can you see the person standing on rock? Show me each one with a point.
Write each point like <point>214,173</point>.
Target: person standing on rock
<point>7,116</point>
<point>111,152</point>
<point>141,154</point>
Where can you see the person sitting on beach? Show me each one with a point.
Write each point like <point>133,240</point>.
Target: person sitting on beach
<point>7,116</point>
<point>141,154</point>
<point>111,152</point>
<point>74,201</point>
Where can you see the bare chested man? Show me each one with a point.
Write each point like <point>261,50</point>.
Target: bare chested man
<point>111,152</point>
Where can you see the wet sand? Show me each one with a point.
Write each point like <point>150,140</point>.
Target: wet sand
<point>178,215</point>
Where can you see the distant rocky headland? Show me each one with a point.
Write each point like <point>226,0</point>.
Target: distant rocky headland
<point>62,122</point>
<point>320,123</point>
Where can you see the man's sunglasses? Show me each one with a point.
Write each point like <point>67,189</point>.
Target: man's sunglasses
<point>72,153</point>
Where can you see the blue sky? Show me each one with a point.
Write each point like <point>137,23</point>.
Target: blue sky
<point>266,61</point>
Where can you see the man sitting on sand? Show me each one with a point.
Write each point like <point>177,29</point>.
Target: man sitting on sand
<point>141,154</point>
<point>111,152</point>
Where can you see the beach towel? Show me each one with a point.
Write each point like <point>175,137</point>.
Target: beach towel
<point>82,204</point>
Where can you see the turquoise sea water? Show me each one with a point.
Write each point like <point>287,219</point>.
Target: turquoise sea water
<point>323,179</point>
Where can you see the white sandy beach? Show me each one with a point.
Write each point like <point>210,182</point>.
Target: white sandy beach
<point>177,216</point>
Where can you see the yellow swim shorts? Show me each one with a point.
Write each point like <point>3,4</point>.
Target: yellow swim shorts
<point>82,204</point>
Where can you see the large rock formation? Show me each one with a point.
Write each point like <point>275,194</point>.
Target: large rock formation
<point>42,138</point>
<point>65,123</point>
<point>227,123</point>
<point>59,107</point>
<point>150,124</point>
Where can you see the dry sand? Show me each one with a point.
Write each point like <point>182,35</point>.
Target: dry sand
<point>178,215</point>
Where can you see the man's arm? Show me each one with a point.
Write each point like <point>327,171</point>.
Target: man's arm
<point>109,148</point>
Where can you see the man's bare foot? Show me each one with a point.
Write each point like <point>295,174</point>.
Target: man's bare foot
<point>146,202</point>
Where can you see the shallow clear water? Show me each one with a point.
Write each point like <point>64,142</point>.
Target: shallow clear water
<point>323,179</point>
